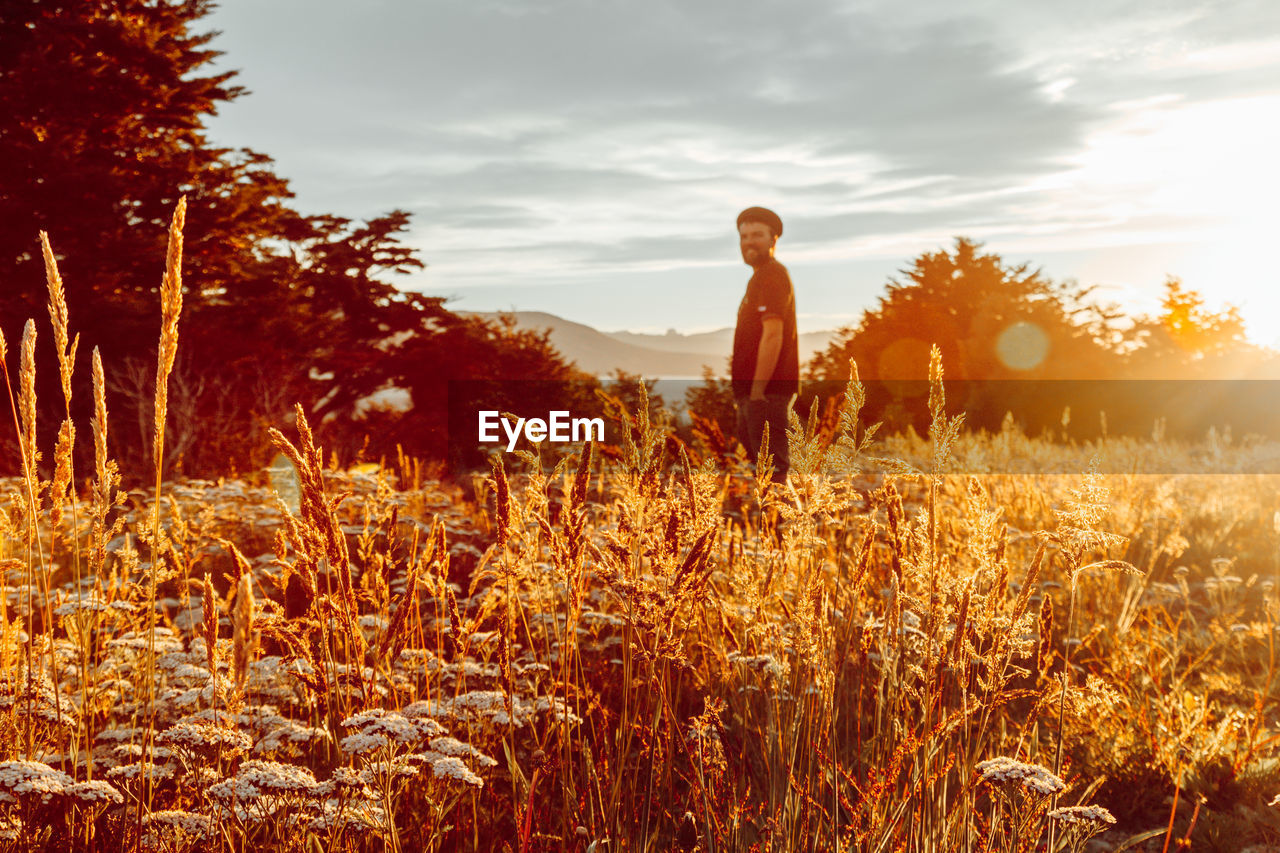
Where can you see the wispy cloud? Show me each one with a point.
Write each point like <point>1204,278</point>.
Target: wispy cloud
<point>573,138</point>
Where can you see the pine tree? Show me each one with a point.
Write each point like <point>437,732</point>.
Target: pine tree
<point>964,301</point>
<point>103,106</point>
<point>102,109</point>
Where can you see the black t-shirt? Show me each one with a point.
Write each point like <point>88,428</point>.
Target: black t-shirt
<point>769,294</point>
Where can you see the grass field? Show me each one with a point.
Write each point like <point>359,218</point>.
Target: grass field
<point>642,652</point>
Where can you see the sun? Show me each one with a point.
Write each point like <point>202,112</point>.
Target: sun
<point>1199,180</point>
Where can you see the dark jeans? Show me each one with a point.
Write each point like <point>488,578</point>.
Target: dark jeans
<point>753,415</point>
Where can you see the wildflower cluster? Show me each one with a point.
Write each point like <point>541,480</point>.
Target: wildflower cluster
<point>1034,778</point>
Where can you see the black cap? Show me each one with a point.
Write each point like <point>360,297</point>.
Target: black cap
<point>763,215</point>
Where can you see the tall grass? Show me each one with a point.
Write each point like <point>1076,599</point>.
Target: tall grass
<point>635,649</point>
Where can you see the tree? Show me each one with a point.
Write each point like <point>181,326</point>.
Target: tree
<point>462,364</point>
<point>102,110</point>
<point>993,322</point>
<point>1188,340</point>
<point>712,414</point>
<point>101,130</point>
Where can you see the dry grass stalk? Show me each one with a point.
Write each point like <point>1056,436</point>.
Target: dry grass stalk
<point>58,496</point>
<point>63,453</point>
<point>209,624</point>
<point>170,313</point>
<point>1044,654</point>
<point>958,655</point>
<point>58,316</point>
<point>1033,574</point>
<point>243,638</point>
<point>316,508</point>
<point>243,569</point>
<point>105,493</point>
<point>502,503</point>
<point>943,431</point>
<point>322,552</point>
<point>578,495</point>
<point>27,434</point>
<point>851,728</point>
<point>99,422</point>
<point>401,624</point>
<point>27,405</point>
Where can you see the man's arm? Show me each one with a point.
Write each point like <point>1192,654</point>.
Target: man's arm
<point>767,356</point>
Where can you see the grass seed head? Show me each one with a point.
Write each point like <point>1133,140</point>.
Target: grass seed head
<point>242,628</point>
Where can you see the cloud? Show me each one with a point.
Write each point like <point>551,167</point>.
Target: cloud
<point>554,139</point>
<point>755,75</point>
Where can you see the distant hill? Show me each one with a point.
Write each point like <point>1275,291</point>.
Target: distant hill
<point>673,355</point>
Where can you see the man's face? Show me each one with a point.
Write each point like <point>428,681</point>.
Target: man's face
<point>757,242</point>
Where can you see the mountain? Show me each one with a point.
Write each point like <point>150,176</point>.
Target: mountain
<point>671,356</point>
<point>717,343</point>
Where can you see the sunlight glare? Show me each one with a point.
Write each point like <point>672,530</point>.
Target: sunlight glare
<point>1201,178</point>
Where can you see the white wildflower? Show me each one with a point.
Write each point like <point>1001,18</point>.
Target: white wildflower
<point>377,772</point>
<point>345,782</point>
<point>348,817</point>
<point>96,791</point>
<point>448,767</point>
<point>192,696</point>
<point>21,779</point>
<point>203,775</point>
<point>118,734</point>
<point>471,669</point>
<point>234,790</point>
<point>205,737</point>
<point>277,777</point>
<point>450,746</point>
<point>190,672</point>
<point>37,698</point>
<point>362,742</point>
<point>1088,815</point>
<point>155,772</point>
<point>134,750</point>
<point>86,604</point>
<point>213,715</point>
<point>393,725</point>
<point>1033,777</point>
<point>767,664</point>
<point>291,732</point>
<point>137,641</point>
<point>412,657</point>
<point>188,823</point>
<point>428,708</point>
<point>559,710</point>
<point>604,618</point>
<point>533,667</point>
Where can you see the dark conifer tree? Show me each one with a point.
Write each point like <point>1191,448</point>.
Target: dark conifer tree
<point>103,106</point>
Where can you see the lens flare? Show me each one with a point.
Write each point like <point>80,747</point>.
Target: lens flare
<point>1022,346</point>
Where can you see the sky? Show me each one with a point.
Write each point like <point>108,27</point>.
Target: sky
<point>589,157</point>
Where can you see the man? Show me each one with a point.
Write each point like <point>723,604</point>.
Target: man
<point>765,371</point>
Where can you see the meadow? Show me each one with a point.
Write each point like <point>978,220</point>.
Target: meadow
<point>922,644</point>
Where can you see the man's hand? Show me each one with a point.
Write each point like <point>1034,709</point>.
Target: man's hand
<point>757,414</point>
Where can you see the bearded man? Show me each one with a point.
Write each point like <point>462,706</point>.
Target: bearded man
<point>765,370</point>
